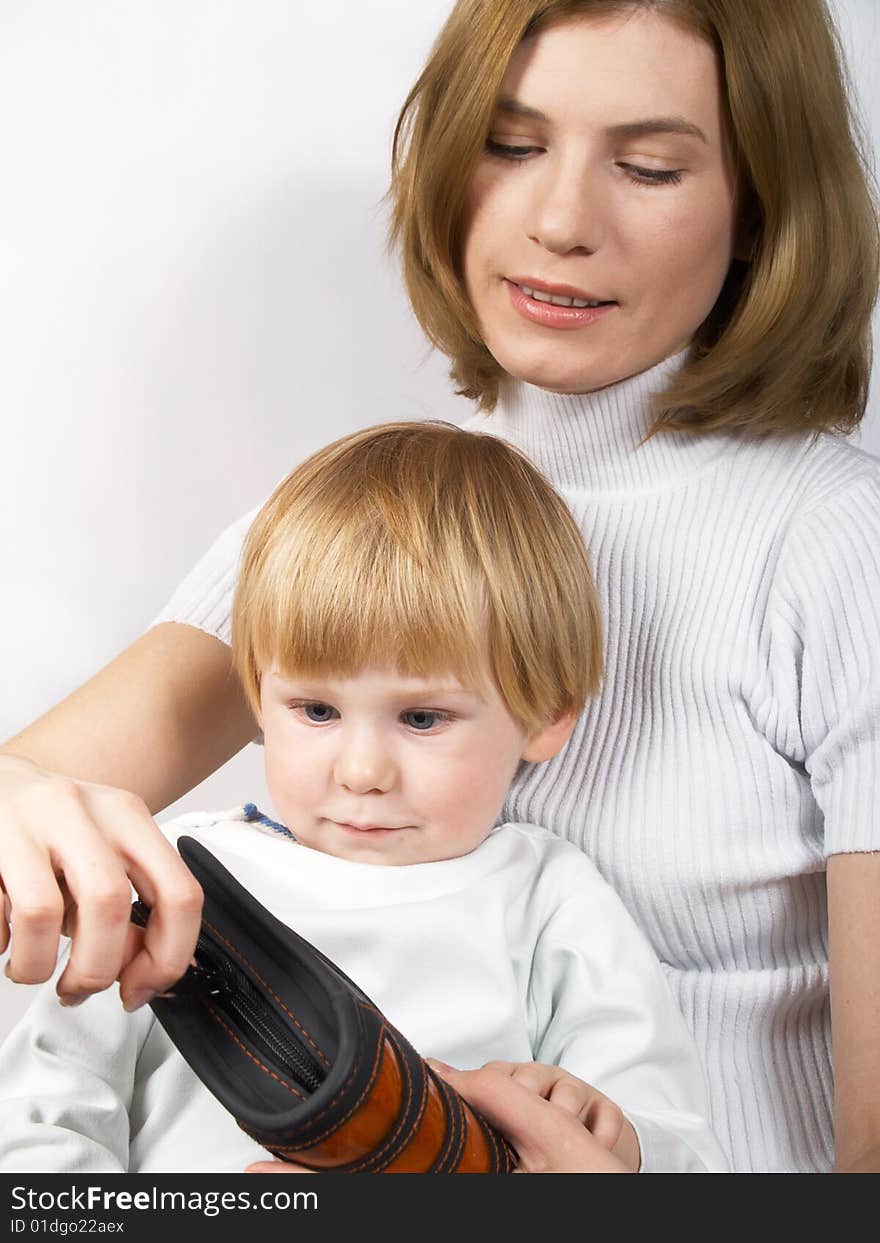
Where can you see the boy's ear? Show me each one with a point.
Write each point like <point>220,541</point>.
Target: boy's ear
<point>547,741</point>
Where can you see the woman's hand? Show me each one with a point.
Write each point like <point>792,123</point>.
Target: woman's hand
<point>602,1118</point>
<point>67,851</point>
<point>549,1138</point>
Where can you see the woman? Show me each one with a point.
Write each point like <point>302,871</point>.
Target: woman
<point>594,206</point>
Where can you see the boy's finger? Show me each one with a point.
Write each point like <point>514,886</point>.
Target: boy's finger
<point>605,1123</point>
<point>543,1080</point>
<point>545,1137</point>
<point>574,1097</point>
<point>4,920</point>
<point>519,1114</point>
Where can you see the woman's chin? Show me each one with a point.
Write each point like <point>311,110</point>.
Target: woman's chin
<point>581,375</point>
<point>553,379</point>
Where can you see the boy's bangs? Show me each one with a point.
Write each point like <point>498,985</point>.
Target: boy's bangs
<point>364,606</point>
<point>425,549</point>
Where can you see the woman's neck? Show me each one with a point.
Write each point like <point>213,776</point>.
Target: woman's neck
<point>595,442</point>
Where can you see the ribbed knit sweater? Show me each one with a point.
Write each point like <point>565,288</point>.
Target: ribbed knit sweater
<point>736,740</point>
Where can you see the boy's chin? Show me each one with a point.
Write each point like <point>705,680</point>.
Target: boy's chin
<point>391,848</point>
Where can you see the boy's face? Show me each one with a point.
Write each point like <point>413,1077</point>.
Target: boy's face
<point>383,768</point>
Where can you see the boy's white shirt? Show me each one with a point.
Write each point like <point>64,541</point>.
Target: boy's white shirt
<point>518,951</point>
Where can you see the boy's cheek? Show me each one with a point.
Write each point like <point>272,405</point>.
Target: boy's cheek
<point>280,777</point>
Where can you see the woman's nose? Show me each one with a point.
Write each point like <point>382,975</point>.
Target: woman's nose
<point>566,210</point>
<point>364,763</point>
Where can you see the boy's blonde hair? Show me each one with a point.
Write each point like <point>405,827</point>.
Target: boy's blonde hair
<point>788,344</point>
<point>428,549</point>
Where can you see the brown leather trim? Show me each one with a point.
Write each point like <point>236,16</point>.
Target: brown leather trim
<point>367,1127</point>
<point>478,1157</point>
<point>370,1128</point>
<point>427,1139</point>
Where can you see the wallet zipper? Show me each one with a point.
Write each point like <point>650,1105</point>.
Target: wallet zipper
<point>233,992</point>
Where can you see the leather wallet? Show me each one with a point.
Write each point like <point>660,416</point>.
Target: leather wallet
<point>300,1057</point>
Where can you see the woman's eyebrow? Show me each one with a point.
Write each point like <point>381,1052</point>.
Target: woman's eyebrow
<point>628,129</point>
<point>656,125</point>
<point>513,106</point>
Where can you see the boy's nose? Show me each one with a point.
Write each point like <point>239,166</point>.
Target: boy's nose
<point>364,765</point>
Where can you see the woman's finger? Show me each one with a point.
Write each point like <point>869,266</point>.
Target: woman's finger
<point>36,911</point>
<point>175,899</point>
<point>276,1167</point>
<point>74,870</point>
<point>98,915</point>
<point>94,865</point>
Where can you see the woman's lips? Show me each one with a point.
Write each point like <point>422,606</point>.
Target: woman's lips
<point>550,316</point>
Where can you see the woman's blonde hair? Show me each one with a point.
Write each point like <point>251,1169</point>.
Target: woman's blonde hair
<point>429,549</point>
<point>788,343</point>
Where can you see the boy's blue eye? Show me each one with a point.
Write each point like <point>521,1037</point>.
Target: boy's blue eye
<point>421,719</point>
<point>318,712</point>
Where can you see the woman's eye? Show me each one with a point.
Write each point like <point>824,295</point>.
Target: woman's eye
<point>422,719</point>
<point>317,713</point>
<point>507,151</point>
<point>652,176</point>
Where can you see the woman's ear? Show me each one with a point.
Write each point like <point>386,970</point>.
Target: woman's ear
<point>547,741</point>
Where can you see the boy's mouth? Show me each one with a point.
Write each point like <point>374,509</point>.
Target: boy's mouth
<point>371,828</point>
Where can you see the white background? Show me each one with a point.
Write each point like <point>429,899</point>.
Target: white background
<point>194,294</point>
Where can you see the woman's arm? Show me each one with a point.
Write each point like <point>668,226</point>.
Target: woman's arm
<point>825,628</point>
<point>162,716</point>
<point>77,789</point>
<point>854,964</point>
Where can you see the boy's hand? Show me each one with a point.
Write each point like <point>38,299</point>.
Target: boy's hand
<point>603,1119</point>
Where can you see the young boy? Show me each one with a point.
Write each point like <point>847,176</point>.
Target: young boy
<point>415,617</point>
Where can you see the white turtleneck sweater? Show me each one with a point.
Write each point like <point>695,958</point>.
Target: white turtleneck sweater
<point>736,741</point>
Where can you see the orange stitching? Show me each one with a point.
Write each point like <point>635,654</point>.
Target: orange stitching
<point>449,1157</point>
<point>338,1123</point>
<point>393,1138</point>
<point>268,989</point>
<point>248,1053</point>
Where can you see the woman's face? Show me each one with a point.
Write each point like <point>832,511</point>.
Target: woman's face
<point>607,177</point>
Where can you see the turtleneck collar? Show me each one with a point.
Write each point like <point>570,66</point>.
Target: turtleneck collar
<point>592,442</point>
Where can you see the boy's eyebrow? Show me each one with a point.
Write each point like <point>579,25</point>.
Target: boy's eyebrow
<point>459,692</point>
<point>316,689</point>
<point>627,129</point>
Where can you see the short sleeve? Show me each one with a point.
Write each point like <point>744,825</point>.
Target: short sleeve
<point>204,598</point>
<point>829,596</point>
